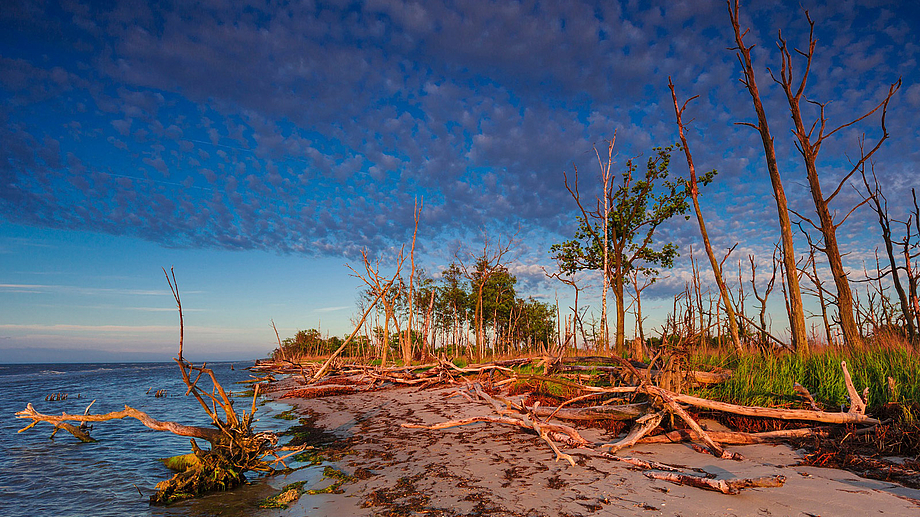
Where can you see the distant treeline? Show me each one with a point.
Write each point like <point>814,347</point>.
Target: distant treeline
<point>444,311</point>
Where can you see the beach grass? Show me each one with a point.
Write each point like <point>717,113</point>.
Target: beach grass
<point>768,380</point>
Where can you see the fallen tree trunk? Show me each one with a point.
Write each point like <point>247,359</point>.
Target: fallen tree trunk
<point>726,486</point>
<point>782,414</point>
<point>323,390</point>
<point>697,376</point>
<point>736,438</point>
<point>611,412</point>
<point>559,432</point>
<point>640,428</point>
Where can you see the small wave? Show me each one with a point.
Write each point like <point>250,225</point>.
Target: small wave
<point>51,372</point>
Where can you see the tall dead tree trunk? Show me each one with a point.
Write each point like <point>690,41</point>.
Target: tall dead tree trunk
<point>637,289</point>
<point>694,194</point>
<point>809,151</point>
<point>487,263</point>
<point>407,343</point>
<point>794,294</point>
<point>605,173</point>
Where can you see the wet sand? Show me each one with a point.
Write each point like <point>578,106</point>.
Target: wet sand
<point>493,469</point>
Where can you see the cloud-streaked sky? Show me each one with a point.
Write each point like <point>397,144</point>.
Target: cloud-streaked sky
<point>258,149</point>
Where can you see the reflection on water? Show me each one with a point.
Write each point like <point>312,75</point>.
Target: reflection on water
<point>116,475</point>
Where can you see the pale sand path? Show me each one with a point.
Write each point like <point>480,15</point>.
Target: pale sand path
<point>491,469</point>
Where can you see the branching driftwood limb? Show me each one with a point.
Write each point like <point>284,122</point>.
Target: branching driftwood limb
<point>782,414</point>
<point>737,438</point>
<point>857,405</point>
<point>559,432</point>
<point>610,412</point>
<point>675,409</point>
<point>643,426</point>
<point>205,433</point>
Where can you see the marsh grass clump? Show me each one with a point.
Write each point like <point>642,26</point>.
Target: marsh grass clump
<point>769,380</point>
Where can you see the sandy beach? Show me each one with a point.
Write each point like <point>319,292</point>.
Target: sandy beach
<point>492,469</point>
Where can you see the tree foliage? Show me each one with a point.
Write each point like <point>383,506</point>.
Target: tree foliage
<point>639,205</point>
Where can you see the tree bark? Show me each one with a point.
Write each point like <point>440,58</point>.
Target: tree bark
<point>794,293</point>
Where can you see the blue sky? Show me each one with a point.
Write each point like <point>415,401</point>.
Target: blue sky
<point>258,149</point>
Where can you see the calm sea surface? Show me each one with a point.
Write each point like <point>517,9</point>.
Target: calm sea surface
<point>116,475</point>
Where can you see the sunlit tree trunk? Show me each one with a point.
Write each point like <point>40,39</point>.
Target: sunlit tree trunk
<point>794,293</point>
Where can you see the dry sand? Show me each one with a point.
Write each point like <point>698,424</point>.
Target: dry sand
<point>492,469</point>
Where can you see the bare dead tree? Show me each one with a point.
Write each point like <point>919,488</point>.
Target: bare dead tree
<point>809,145</point>
<point>602,211</point>
<point>879,204</point>
<point>384,292</point>
<point>793,293</point>
<point>826,297</point>
<point>697,290</point>
<point>487,263</point>
<point>638,287</point>
<point>694,194</point>
<point>278,337</point>
<point>570,281</point>
<point>606,175</point>
<point>407,342</point>
<point>762,332</point>
<point>907,246</point>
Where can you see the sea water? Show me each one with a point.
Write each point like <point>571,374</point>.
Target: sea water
<point>116,475</point>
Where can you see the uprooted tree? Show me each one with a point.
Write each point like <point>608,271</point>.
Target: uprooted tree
<point>234,447</point>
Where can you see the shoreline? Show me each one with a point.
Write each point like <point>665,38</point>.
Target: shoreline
<point>490,469</point>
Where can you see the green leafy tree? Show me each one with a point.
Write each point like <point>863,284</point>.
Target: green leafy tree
<point>535,323</point>
<point>638,206</point>
<point>451,302</point>
<point>498,297</point>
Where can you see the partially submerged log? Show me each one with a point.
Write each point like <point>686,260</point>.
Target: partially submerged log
<point>235,448</point>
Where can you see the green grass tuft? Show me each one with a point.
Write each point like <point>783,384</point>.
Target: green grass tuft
<point>768,380</point>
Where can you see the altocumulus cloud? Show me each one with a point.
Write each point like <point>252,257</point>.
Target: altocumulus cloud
<point>312,128</point>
